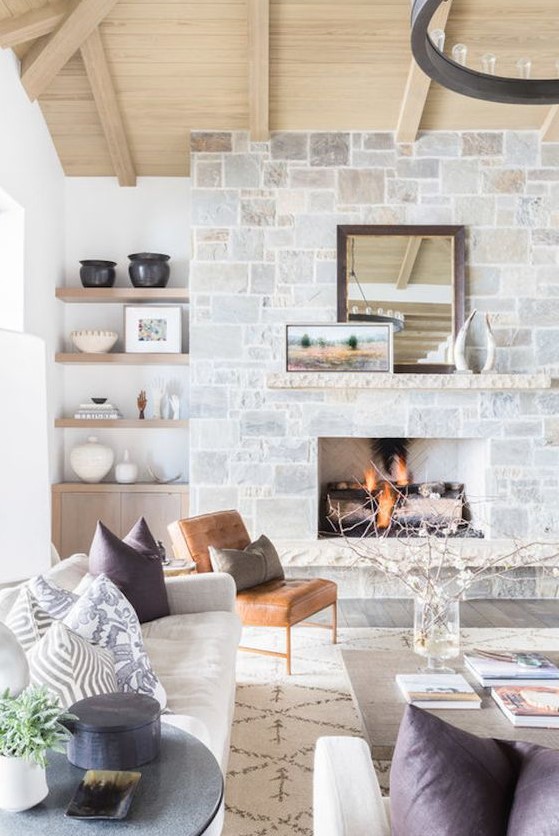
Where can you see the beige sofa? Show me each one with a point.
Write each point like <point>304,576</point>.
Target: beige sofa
<point>193,651</point>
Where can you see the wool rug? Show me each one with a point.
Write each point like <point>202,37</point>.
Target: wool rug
<point>279,718</point>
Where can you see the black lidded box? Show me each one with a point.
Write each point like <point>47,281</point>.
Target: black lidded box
<point>114,731</point>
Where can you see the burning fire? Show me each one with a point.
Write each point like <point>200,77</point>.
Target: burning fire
<point>401,473</point>
<point>370,479</point>
<point>386,501</point>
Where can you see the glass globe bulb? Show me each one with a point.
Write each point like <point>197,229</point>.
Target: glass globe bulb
<point>437,38</point>
<point>524,67</point>
<point>488,63</point>
<point>460,54</point>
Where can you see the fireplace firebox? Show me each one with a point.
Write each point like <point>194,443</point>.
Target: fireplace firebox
<point>396,487</point>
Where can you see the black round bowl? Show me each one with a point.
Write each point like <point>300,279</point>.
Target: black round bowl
<point>149,269</point>
<point>97,273</point>
<point>99,400</point>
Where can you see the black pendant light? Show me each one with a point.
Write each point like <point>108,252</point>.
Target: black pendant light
<point>453,73</point>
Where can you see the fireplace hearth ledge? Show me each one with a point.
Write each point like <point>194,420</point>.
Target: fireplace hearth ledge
<point>455,382</point>
<point>337,552</point>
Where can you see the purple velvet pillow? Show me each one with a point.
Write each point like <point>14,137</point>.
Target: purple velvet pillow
<point>134,565</point>
<point>446,782</point>
<point>535,808</point>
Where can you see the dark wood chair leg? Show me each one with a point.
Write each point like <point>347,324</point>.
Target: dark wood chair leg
<point>288,650</point>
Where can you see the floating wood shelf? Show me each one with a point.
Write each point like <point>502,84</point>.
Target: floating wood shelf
<point>120,423</point>
<point>122,294</point>
<point>125,359</point>
<point>114,487</point>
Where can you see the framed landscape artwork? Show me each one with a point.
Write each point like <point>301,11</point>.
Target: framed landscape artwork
<point>356,347</point>
<point>152,329</point>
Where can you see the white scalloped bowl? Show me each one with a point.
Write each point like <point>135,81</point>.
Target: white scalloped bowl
<point>94,342</point>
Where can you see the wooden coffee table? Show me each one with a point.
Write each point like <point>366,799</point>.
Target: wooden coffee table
<point>380,704</point>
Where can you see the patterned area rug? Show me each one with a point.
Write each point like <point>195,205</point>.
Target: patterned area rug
<point>279,718</point>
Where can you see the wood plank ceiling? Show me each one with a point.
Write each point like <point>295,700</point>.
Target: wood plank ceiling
<point>157,70</point>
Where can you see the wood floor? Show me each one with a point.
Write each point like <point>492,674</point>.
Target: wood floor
<point>363,612</point>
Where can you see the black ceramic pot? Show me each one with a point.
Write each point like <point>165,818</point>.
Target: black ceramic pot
<point>149,269</point>
<point>97,273</point>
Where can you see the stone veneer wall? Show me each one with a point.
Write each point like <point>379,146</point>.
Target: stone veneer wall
<point>264,241</point>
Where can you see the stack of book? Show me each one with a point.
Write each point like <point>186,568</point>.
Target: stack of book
<point>88,411</point>
<point>426,690</point>
<point>493,668</point>
<point>525,686</point>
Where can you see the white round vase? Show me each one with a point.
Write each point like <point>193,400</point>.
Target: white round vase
<point>126,472</point>
<point>23,784</point>
<point>91,461</point>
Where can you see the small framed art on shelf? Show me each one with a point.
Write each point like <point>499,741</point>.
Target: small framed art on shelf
<point>154,329</point>
<point>339,348</point>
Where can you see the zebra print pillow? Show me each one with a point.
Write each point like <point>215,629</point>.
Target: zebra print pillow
<point>104,616</point>
<point>71,667</point>
<point>51,598</point>
<point>27,620</point>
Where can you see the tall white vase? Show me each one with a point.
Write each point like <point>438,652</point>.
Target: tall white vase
<point>23,784</point>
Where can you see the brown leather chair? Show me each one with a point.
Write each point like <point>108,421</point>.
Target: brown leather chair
<point>279,603</point>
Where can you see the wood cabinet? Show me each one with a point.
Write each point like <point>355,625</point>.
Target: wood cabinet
<point>77,506</point>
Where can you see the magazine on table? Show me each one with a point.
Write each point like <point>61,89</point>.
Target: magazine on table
<point>529,706</point>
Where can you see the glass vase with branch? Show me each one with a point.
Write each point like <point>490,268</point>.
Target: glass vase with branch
<point>431,556</point>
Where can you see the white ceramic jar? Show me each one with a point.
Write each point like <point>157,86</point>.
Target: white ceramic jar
<point>126,472</point>
<point>23,784</point>
<point>92,461</point>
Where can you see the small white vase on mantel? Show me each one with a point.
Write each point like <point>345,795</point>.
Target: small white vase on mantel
<point>23,784</point>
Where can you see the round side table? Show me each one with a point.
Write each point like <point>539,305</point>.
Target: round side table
<point>180,792</point>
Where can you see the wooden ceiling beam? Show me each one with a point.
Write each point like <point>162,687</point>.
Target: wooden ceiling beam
<point>102,87</point>
<point>417,88</point>
<point>31,25</point>
<point>408,262</point>
<point>41,65</point>
<point>259,68</point>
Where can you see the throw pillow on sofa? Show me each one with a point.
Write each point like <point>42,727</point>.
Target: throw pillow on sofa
<point>134,565</point>
<point>27,620</point>
<point>257,563</point>
<point>70,666</point>
<point>104,616</point>
<point>448,782</point>
<point>51,598</point>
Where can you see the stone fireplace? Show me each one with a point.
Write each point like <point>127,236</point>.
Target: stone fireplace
<point>264,219</point>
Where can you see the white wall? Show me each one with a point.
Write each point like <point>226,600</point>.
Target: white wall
<point>31,174</point>
<point>104,220</point>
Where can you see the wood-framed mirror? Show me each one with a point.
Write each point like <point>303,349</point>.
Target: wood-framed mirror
<point>412,276</point>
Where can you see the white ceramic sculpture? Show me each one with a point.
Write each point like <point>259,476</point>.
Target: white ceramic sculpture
<point>175,407</point>
<point>126,472</point>
<point>460,361</point>
<point>157,396</point>
<point>92,461</point>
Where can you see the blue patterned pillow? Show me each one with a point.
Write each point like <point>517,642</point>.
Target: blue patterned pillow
<point>103,616</point>
<point>51,598</point>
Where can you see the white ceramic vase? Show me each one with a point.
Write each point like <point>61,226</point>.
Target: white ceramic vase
<point>126,472</point>
<point>23,784</point>
<point>92,461</point>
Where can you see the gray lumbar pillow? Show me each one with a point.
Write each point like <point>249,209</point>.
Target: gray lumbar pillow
<point>257,563</point>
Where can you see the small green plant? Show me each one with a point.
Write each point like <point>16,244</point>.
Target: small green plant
<point>305,341</point>
<point>352,342</point>
<point>30,724</point>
